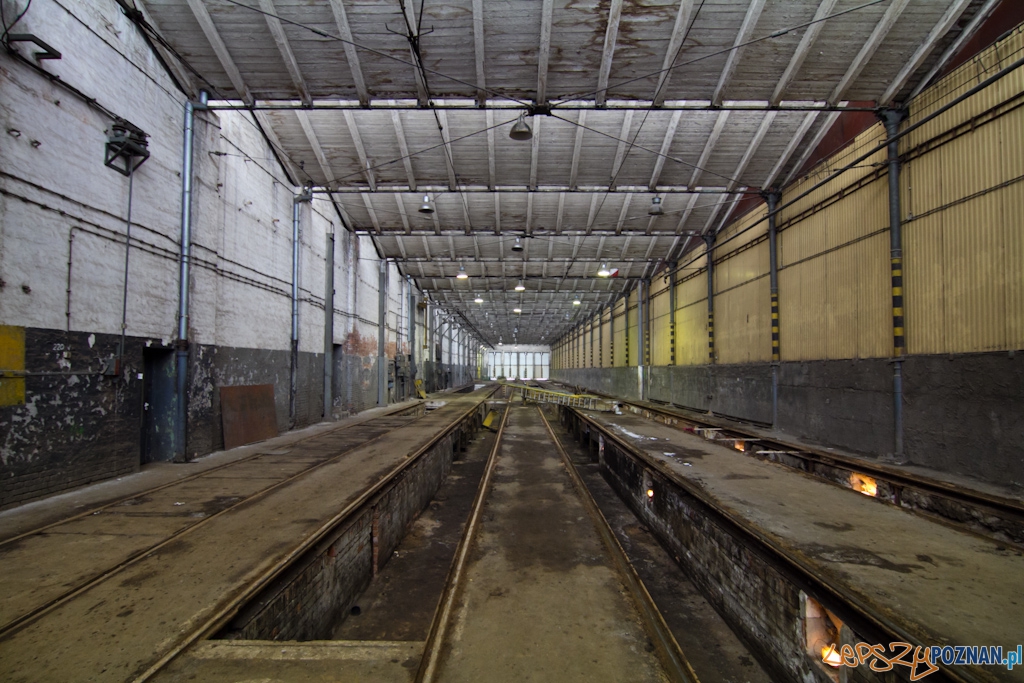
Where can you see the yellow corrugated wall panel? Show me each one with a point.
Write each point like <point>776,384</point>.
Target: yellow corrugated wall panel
<point>692,321</point>
<point>743,331</point>
<point>858,310</point>
<point>632,329</point>
<point>620,332</point>
<point>1013,205</point>
<point>661,350</point>
<point>924,285</point>
<point>742,267</point>
<point>802,310</point>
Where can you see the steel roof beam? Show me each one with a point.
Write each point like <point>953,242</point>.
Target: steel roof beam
<point>610,36</point>
<point>674,43</point>
<point>202,16</point>
<point>733,59</point>
<point>881,30</point>
<point>283,46</point>
<point>938,31</point>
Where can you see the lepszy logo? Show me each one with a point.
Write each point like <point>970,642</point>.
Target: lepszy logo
<point>921,660</point>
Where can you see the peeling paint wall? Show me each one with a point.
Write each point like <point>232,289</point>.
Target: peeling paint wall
<point>62,264</point>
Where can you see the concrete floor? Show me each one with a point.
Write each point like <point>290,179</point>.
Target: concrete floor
<point>123,624</point>
<point>943,585</point>
<point>541,598</point>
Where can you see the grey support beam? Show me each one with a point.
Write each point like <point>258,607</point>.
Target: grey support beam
<point>674,43</point>
<point>209,29</point>
<point>802,50</point>
<point>357,142</point>
<point>314,143</point>
<point>709,146</point>
<point>666,145</point>
<point>479,52</point>
<point>881,30</point>
<point>345,32</point>
<point>732,61</point>
<point>610,36</point>
<point>544,52</point>
<point>403,147</point>
<point>284,47</point>
<point>940,29</point>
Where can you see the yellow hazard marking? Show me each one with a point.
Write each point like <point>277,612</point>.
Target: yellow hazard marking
<point>12,361</point>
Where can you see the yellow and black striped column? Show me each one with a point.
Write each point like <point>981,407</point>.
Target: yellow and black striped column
<point>672,313</point>
<point>709,241</point>
<point>899,344</point>
<point>892,118</point>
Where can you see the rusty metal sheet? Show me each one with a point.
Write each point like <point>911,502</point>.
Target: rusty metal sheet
<point>248,414</point>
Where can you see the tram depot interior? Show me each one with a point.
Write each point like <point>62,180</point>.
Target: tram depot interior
<point>784,237</point>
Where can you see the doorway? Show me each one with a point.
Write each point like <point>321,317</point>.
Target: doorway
<point>158,405</point>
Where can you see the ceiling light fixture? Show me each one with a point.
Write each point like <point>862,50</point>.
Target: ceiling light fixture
<point>575,302</point>
<point>427,206</point>
<point>521,130</point>
<point>603,271</point>
<point>462,274</point>
<point>518,246</point>
<point>520,286</point>
<point>517,310</point>
<point>478,300</point>
<point>656,209</point>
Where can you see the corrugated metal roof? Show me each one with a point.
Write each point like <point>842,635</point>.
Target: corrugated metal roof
<point>695,102</point>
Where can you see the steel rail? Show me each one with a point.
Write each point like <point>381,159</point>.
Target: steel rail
<point>1006,508</point>
<point>139,494</point>
<point>261,577</point>
<point>671,654</point>
<point>432,650</point>
<point>35,613</point>
<point>866,621</point>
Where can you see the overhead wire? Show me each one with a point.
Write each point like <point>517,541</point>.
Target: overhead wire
<point>379,53</point>
<point>647,114</point>
<point>774,34</point>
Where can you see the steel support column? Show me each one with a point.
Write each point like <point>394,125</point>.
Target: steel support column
<point>709,240</point>
<point>772,198</point>
<point>892,119</point>
<point>184,262</point>
<point>329,326</point>
<point>382,362</point>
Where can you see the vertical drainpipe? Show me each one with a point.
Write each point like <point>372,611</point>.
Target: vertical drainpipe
<point>600,336</point>
<point>772,197</point>
<point>709,240</point>
<point>382,367</point>
<point>892,119</point>
<point>293,391</point>
<point>329,325</point>
<point>641,332</point>
<point>672,313</point>
<point>412,332</point>
<point>611,335</point>
<point>185,256</point>
<point>647,348</point>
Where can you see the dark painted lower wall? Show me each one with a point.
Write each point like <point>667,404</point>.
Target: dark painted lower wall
<point>962,414</point>
<point>78,426</point>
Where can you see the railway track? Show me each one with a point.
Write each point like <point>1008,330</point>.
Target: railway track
<point>149,511</point>
<point>456,608</point>
<point>989,515</point>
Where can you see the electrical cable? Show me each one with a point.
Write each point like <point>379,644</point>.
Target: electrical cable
<point>379,53</point>
<point>3,19</point>
<point>775,34</point>
<point>647,114</point>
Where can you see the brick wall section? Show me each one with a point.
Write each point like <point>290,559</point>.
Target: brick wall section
<point>758,602</point>
<point>73,429</point>
<point>317,592</point>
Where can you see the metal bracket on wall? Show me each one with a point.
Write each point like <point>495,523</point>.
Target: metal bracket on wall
<point>48,51</point>
<point>127,147</point>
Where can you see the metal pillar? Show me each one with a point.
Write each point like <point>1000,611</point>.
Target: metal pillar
<point>412,330</point>
<point>709,240</point>
<point>641,335</point>
<point>185,260</point>
<point>329,326</point>
<point>773,198</point>
<point>382,362</point>
<point>305,196</point>
<point>892,118</point>
<point>611,335</point>
<point>672,313</point>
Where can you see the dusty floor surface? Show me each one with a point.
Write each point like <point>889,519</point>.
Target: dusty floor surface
<point>942,585</point>
<point>712,649</point>
<point>400,603</point>
<point>542,601</point>
<point>118,627</point>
